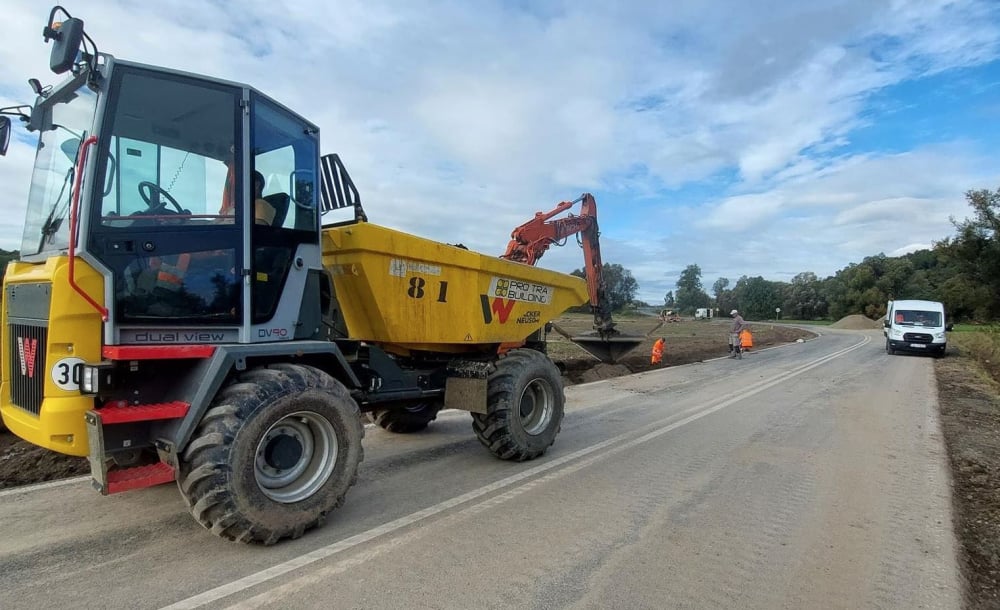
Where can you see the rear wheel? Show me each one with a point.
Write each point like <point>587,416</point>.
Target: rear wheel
<point>525,406</point>
<point>406,419</point>
<point>277,451</point>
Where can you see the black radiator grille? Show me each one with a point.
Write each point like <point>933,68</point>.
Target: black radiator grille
<point>917,338</point>
<point>27,366</point>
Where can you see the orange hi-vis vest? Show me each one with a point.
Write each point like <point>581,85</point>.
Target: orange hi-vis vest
<point>657,354</point>
<point>170,276</point>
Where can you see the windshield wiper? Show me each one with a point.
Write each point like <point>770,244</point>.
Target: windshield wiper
<point>52,223</point>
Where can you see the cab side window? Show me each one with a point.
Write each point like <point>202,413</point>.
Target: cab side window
<point>284,156</point>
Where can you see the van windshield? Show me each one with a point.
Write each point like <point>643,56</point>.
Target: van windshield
<point>915,317</point>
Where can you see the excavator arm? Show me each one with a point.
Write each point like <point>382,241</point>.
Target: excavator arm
<point>532,239</point>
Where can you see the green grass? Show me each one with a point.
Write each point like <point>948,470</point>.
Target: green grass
<point>971,328</point>
<point>981,344</point>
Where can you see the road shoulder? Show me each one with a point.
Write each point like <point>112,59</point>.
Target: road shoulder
<point>970,420</point>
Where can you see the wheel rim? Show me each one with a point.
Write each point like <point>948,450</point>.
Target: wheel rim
<point>536,406</point>
<point>295,457</point>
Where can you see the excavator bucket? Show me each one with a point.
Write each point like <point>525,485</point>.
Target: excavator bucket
<point>606,349</point>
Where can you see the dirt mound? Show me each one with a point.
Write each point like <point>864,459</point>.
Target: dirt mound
<point>693,342</point>
<point>855,322</point>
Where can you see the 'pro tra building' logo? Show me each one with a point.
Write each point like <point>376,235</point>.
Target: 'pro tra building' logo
<point>519,290</point>
<point>26,350</point>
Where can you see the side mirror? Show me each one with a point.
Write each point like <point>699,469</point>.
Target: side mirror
<point>886,323</point>
<point>302,188</point>
<point>4,134</point>
<point>66,39</point>
<point>70,147</point>
<point>949,327</point>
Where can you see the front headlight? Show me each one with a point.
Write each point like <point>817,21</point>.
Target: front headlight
<point>939,336</point>
<point>88,380</point>
<point>95,378</point>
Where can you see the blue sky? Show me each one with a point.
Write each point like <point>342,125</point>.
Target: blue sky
<point>749,138</point>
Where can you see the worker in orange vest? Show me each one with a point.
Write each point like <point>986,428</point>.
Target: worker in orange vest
<point>657,354</point>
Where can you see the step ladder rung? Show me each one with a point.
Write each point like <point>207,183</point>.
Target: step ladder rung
<point>139,476</point>
<point>132,413</point>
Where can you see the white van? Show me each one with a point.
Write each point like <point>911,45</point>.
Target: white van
<point>915,326</point>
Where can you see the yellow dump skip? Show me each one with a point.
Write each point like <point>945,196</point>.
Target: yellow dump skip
<point>399,289</point>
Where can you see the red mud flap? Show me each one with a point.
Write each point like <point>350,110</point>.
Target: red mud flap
<point>110,480</point>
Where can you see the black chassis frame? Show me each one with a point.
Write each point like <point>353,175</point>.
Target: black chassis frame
<point>374,378</point>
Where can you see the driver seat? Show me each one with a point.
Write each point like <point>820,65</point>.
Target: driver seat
<point>279,201</point>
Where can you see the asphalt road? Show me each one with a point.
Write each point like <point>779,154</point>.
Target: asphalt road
<point>806,476</point>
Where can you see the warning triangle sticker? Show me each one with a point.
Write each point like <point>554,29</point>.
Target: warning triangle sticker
<point>468,337</point>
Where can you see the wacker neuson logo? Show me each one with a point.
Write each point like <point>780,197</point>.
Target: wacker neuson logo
<point>26,350</point>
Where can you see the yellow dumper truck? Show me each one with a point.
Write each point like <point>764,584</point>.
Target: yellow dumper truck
<point>181,313</point>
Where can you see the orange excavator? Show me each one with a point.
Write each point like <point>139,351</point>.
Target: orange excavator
<point>532,239</point>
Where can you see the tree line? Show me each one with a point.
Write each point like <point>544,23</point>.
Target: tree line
<point>962,271</point>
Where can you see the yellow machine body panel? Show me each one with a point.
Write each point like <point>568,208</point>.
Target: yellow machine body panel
<point>48,330</point>
<point>409,292</point>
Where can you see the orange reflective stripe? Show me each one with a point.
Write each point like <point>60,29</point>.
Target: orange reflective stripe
<point>172,276</point>
<point>168,278</point>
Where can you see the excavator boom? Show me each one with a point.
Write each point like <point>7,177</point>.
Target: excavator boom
<point>532,239</point>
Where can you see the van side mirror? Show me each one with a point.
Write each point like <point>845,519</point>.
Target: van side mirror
<point>4,134</point>
<point>949,327</point>
<point>886,323</point>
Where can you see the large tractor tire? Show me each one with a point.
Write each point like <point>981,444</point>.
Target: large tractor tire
<point>525,405</point>
<point>407,419</point>
<point>276,451</point>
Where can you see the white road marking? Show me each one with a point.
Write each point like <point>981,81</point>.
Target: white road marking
<point>624,442</point>
<point>16,491</point>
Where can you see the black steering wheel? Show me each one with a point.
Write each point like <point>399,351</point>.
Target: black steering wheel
<point>155,193</point>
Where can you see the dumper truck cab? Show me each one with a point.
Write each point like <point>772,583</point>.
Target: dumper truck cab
<point>180,312</point>
<point>916,326</point>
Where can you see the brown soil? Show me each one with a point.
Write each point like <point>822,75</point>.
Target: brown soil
<point>22,463</point>
<point>686,342</point>
<point>970,419</point>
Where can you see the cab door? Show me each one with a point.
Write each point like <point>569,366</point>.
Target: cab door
<point>285,230</point>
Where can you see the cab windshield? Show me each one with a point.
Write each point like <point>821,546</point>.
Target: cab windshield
<point>908,317</point>
<point>171,148</point>
<point>65,119</point>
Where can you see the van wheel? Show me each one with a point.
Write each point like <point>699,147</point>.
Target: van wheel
<point>888,348</point>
